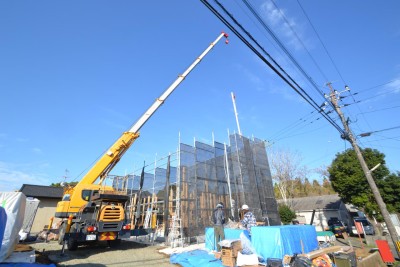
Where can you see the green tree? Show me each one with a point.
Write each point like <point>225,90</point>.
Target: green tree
<point>286,214</point>
<point>390,191</point>
<point>317,188</point>
<point>277,192</point>
<point>348,179</point>
<point>308,188</point>
<point>72,184</point>
<point>327,186</point>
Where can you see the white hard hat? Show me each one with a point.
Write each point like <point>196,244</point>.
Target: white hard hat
<point>245,207</point>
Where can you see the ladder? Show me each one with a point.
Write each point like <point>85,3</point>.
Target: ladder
<point>174,238</point>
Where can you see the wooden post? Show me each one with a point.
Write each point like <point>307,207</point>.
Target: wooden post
<point>132,211</point>
<point>143,209</point>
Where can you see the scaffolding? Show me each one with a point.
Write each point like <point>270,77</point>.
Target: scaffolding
<point>186,186</point>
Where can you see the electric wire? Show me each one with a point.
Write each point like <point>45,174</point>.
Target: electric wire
<point>278,41</point>
<point>378,131</point>
<point>296,131</point>
<point>251,8</point>
<point>323,45</point>
<point>310,131</point>
<point>395,138</point>
<point>293,131</point>
<point>271,32</point>
<point>381,146</point>
<point>359,109</point>
<point>294,124</point>
<point>377,110</point>
<point>374,87</point>
<point>299,39</point>
<point>384,93</point>
<point>246,42</point>
<point>333,63</point>
<point>280,44</point>
<point>284,57</point>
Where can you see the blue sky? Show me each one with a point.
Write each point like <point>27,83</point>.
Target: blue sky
<point>75,75</point>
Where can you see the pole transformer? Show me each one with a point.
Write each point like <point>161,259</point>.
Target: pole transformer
<point>378,198</point>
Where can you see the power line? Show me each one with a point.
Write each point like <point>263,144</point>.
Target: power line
<point>378,131</point>
<point>323,45</point>
<point>376,110</point>
<point>310,131</point>
<point>271,32</point>
<point>299,39</point>
<point>384,138</point>
<point>308,99</point>
<point>294,61</point>
<point>384,93</point>
<point>292,125</point>
<point>359,109</point>
<point>376,86</point>
<point>332,61</point>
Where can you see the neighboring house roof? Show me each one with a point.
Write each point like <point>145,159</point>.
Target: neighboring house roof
<point>326,202</point>
<point>38,191</point>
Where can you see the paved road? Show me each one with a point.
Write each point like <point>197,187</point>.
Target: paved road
<point>127,253</point>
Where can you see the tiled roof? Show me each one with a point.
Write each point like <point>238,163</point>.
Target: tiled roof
<point>327,202</point>
<point>31,190</point>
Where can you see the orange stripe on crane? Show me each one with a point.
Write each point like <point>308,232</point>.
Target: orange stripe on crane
<point>108,236</point>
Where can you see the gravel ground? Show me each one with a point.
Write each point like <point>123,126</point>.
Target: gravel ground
<point>127,253</point>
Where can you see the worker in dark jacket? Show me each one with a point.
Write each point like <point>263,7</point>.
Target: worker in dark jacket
<point>219,220</point>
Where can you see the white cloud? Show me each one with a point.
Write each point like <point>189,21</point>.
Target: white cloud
<point>282,24</point>
<point>12,177</point>
<point>37,151</point>
<point>394,86</point>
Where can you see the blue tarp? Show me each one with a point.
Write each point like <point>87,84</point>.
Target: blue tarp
<point>273,241</point>
<point>229,234</point>
<point>277,241</point>
<point>3,221</point>
<point>195,258</point>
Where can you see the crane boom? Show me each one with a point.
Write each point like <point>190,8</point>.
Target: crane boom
<point>109,159</point>
<point>159,101</point>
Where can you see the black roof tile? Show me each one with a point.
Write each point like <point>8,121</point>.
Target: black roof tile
<point>31,190</point>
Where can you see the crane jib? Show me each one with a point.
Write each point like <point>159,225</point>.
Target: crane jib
<point>159,101</point>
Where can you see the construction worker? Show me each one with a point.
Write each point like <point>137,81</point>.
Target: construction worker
<point>249,219</point>
<point>219,220</point>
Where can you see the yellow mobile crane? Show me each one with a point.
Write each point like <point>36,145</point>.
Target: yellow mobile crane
<point>92,211</point>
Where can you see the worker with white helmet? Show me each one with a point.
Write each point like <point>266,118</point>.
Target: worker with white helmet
<point>249,219</point>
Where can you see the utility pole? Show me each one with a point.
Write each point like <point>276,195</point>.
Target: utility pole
<point>349,137</point>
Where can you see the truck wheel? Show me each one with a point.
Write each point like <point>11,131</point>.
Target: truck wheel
<point>72,243</point>
<point>61,233</point>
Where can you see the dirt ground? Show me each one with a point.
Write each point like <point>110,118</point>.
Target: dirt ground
<point>127,253</point>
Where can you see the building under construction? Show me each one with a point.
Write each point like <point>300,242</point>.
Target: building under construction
<point>195,179</point>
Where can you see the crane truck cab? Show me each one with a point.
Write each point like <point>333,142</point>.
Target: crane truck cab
<point>99,214</point>
<point>101,219</point>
